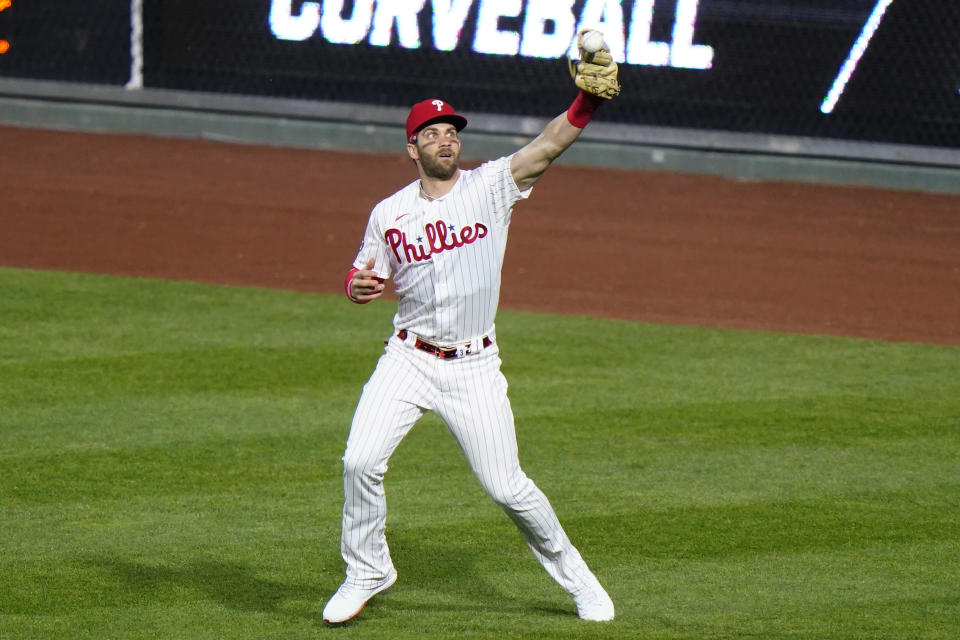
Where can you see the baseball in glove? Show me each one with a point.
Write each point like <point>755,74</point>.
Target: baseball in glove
<point>595,72</point>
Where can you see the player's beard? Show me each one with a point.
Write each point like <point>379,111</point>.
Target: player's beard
<point>439,168</point>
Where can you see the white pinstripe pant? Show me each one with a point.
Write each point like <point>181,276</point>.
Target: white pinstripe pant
<point>470,395</point>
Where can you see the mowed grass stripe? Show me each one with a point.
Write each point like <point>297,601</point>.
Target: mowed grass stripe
<point>170,456</point>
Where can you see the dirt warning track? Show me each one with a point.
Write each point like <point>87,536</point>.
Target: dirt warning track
<point>629,244</point>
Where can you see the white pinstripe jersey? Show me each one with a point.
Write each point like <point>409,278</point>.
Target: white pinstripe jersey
<point>445,255</point>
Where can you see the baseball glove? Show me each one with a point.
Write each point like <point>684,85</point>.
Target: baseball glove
<point>595,73</point>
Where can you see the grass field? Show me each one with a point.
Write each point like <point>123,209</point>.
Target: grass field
<point>169,468</point>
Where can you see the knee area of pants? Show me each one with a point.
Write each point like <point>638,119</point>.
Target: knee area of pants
<point>506,499</point>
<point>511,496</point>
<point>507,503</point>
<point>359,465</point>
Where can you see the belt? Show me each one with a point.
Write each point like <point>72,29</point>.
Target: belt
<point>443,352</point>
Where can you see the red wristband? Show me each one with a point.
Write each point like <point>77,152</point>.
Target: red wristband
<point>346,286</point>
<point>582,109</point>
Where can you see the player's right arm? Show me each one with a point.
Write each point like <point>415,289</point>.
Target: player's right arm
<point>364,282</point>
<point>364,285</point>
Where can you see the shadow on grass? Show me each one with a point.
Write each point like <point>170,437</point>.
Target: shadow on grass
<point>230,584</point>
<point>468,568</point>
<point>457,569</point>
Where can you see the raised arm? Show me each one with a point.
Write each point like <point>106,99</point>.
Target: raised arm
<point>596,76</point>
<point>529,163</point>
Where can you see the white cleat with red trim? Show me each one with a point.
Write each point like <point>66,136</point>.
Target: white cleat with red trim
<point>348,601</point>
<point>593,603</point>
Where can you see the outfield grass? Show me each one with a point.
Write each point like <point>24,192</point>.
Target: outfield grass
<point>169,468</point>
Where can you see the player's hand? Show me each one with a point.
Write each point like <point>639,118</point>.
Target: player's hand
<point>366,285</point>
<point>595,72</point>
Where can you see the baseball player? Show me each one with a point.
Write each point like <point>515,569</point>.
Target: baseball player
<point>442,239</point>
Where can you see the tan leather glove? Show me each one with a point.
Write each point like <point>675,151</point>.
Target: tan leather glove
<point>595,73</point>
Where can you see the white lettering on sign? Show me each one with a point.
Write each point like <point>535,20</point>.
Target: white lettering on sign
<point>605,16</point>
<point>287,26</point>
<point>543,15</point>
<point>340,30</point>
<point>449,17</point>
<point>683,53</point>
<point>403,13</point>
<point>489,38</point>
<point>547,28</point>
<point>640,48</point>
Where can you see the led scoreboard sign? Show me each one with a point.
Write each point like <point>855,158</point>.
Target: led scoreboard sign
<point>883,70</point>
<point>5,44</point>
<point>546,30</point>
<point>863,70</point>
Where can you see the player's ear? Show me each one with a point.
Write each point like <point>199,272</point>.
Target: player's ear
<point>413,152</point>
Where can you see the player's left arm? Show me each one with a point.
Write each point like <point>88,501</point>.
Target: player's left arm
<point>530,162</point>
<point>596,76</point>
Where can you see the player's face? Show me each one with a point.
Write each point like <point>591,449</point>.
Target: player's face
<point>438,150</point>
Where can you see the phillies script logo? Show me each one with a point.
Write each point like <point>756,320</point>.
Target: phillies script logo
<point>440,237</point>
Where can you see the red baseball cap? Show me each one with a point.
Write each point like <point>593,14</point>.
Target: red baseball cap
<point>431,111</point>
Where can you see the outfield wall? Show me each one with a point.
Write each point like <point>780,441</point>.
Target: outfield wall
<point>857,91</point>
